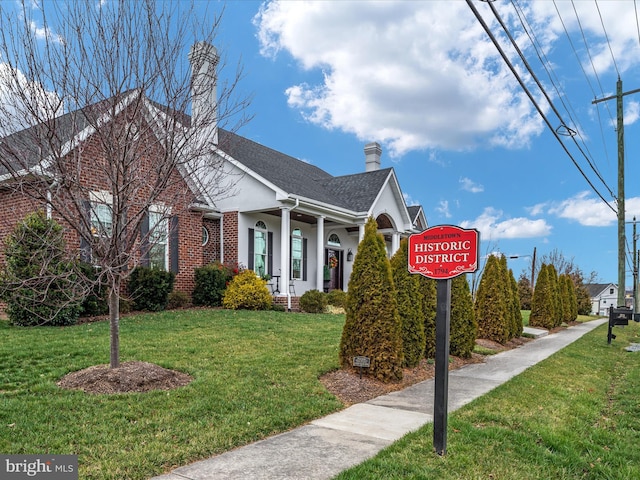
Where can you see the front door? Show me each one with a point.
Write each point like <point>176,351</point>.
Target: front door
<point>335,259</point>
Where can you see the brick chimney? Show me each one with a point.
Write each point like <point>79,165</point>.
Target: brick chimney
<point>204,102</point>
<point>372,152</point>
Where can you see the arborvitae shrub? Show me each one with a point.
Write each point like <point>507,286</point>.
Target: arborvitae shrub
<point>518,326</point>
<point>557,298</point>
<point>463,328</point>
<point>409,307</point>
<point>428,293</point>
<point>39,283</point>
<point>210,283</point>
<point>313,301</point>
<point>542,305</point>
<point>372,327</point>
<point>247,291</point>
<point>491,306</point>
<point>150,287</point>
<point>525,292</point>
<point>337,298</point>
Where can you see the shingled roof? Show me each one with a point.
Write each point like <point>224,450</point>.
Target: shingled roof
<point>353,192</point>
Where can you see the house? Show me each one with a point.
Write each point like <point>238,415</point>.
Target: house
<point>283,217</point>
<point>603,296</point>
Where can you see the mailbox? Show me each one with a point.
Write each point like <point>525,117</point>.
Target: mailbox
<point>618,316</point>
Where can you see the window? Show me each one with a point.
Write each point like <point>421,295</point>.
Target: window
<point>296,254</point>
<point>101,214</point>
<point>333,240</point>
<point>611,291</point>
<point>205,236</point>
<point>158,240</point>
<point>260,248</point>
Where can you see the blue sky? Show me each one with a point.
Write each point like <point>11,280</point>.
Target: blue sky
<point>424,80</point>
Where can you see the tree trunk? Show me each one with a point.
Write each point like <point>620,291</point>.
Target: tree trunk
<point>114,322</point>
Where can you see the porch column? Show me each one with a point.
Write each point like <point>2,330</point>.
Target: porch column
<point>360,232</point>
<point>320,253</point>
<point>395,242</point>
<point>284,251</point>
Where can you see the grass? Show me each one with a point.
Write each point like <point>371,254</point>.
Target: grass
<point>575,415</point>
<point>256,374</point>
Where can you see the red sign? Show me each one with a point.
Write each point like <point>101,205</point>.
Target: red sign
<point>444,251</point>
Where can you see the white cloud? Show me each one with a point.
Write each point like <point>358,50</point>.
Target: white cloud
<point>492,227</point>
<point>443,208</point>
<point>424,75</point>
<point>470,186</point>
<point>585,209</point>
<point>412,75</point>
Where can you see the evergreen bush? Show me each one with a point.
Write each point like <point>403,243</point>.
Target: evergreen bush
<point>372,327</point>
<point>247,291</point>
<point>542,305</point>
<point>210,283</point>
<point>39,283</point>
<point>337,298</point>
<point>313,301</point>
<point>95,301</point>
<point>429,305</point>
<point>409,300</point>
<point>463,328</point>
<point>149,288</point>
<point>491,307</point>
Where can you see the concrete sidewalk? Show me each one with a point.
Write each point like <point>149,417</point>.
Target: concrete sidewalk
<point>327,446</point>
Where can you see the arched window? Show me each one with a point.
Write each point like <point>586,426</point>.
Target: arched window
<point>260,248</point>
<point>205,236</point>
<point>296,254</point>
<point>334,240</point>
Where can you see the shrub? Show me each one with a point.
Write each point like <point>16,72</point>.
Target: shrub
<point>149,288</point>
<point>337,298</point>
<point>177,299</point>
<point>372,327</point>
<point>463,328</point>
<point>40,284</point>
<point>409,301</point>
<point>211,281</point>
<point>247,292</point>
<point>542,305</point>
<point>429,303</point>
<point>492,307</point>
<point>313,301</point>
<point>95,301</point>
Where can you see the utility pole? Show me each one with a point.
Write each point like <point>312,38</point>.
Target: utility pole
<point>621,228</point>
<point>635,269</point>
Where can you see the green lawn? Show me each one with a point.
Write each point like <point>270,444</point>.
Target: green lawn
<point>256,374</point>
<point>575,415</point>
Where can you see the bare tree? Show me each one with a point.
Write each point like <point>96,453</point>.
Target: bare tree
<point>94,112</point>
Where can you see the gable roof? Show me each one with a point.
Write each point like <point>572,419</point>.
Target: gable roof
<point>356,192</point>
<point>596,289</point>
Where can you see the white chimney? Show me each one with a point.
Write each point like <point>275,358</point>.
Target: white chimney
<point>372,153</point>
<point>204,102</point>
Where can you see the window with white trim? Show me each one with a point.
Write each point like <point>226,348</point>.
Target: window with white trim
<point>158,239</point>
<point>101,213</point>
<point>260,248</point>
<point>296,254</point>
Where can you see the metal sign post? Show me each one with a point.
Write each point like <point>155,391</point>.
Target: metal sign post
<point>442,253</point>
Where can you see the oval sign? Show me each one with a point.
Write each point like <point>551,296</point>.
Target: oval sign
<point>444,251</point>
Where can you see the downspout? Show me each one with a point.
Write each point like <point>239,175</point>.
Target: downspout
<point>49,211</point>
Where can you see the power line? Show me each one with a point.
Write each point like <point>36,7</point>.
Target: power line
<point>528,93</point>
<point>613,58</point>
<point>546,65</point>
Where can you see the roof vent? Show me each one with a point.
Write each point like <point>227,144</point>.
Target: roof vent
<point>372,153</point>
